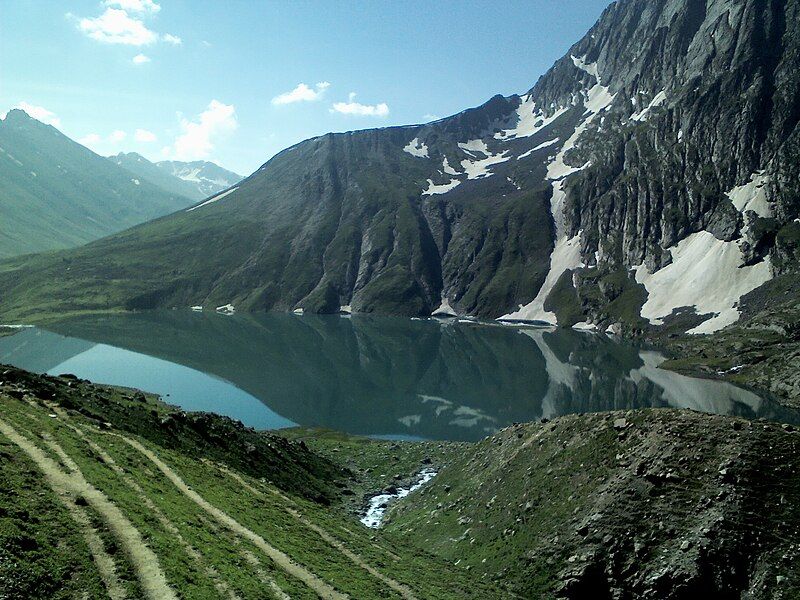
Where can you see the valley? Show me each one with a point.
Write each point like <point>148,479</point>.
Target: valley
<point>544,347</point>
<point>159,503</point>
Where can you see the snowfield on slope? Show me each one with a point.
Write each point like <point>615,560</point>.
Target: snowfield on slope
<point>706,274</point>
<point>567,251</point>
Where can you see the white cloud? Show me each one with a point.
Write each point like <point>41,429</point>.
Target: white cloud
<point>429,117</point>
<point>302,93</point>
<point>40,113</point>
<point>140,59</point>
<point>103,145</point>
<point>142,135</point>
<point>199,136</point>
<point>351,107</point>
<point>91,141</point>
<point>135,5</point>
<point>172,39</point>
<point>114,26</point>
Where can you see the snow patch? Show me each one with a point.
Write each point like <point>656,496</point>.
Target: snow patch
<point>214,198</point>
<point>657,100</point>
<point>752,196</point>
<point>444,309</point>
<point>479,168</point>
<point>416,148</point>
<point>197,308</point>
<point>539,147</point>
<point>475,146</point>
<point>530,121</point>
<point>441,188</point>
<point>567,251</point>
<point>447,168</point>
<point>706,274</point>
<point>226,309</point>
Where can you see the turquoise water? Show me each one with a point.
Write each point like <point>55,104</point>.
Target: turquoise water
<point>386,377</point>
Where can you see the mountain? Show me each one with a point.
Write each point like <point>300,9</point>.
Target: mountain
<point>161,504</point>
<point>130,496</point>
<point>55,193</point>
<point>630,504</point>
<point>151,172</point>
<point>647,183</point>
<point>207,177</point>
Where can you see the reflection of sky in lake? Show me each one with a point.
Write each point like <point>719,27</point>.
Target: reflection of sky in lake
<point>384,377</point>
<point>176,384</point>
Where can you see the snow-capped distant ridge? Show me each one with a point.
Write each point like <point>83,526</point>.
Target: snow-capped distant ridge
<point>208,177</point>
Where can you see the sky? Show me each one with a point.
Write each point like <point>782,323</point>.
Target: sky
<point>237,81</point>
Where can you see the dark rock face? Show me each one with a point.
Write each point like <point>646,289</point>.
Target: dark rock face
<point>647,124</point>
<point>731,109</point>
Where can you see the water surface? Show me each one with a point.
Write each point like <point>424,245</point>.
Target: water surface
<point>390,377</point>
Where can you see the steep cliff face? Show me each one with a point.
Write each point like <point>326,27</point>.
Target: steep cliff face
<point>648,179</point>
<point>695,164</point>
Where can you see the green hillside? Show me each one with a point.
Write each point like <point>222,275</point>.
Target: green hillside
<point>117,496</point>
<point>108,492</point>
<point>55,193</point>
<point>150,172</point>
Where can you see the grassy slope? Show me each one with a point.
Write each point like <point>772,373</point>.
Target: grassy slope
<point>55,193</point>
<point>186,539</point>
<point>147,171</point>
<point>672,504</point>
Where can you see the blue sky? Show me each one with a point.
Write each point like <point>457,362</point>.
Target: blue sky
<point>222,80</point>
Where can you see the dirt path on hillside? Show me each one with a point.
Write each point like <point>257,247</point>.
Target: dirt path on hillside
<point>102,559</point>
<point>262,575</point>
<point>401,589</point>
<point>144,562</point>
<point>220,585</point>
<point>322,588</point>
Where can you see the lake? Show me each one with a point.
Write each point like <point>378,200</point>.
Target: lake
<point>379,376</point>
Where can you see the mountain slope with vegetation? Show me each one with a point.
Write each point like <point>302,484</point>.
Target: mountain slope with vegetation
<point>646,185</point>
<point>107,491</point>
<point>55,193</point>
<point>636,504</point>
<point>148,171</point>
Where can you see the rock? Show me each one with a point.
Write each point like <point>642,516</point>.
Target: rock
<point>620,423</point>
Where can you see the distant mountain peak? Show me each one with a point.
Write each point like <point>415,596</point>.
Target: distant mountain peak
<point>207,176</point>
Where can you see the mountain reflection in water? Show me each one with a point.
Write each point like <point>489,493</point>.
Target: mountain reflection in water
<point>371,375</point>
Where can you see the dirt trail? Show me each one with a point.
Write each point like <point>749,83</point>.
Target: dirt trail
<point>253,561</point>
<point>401,589</point>
<point>322,588</point>
<point>144,562</point>
<point>221,586</point>
<point>105,563</point>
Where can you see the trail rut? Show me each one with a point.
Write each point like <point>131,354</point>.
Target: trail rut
<point>401,589</point>
<point>322,588</point>
<point>144,562</point>
<point>221,586</point>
